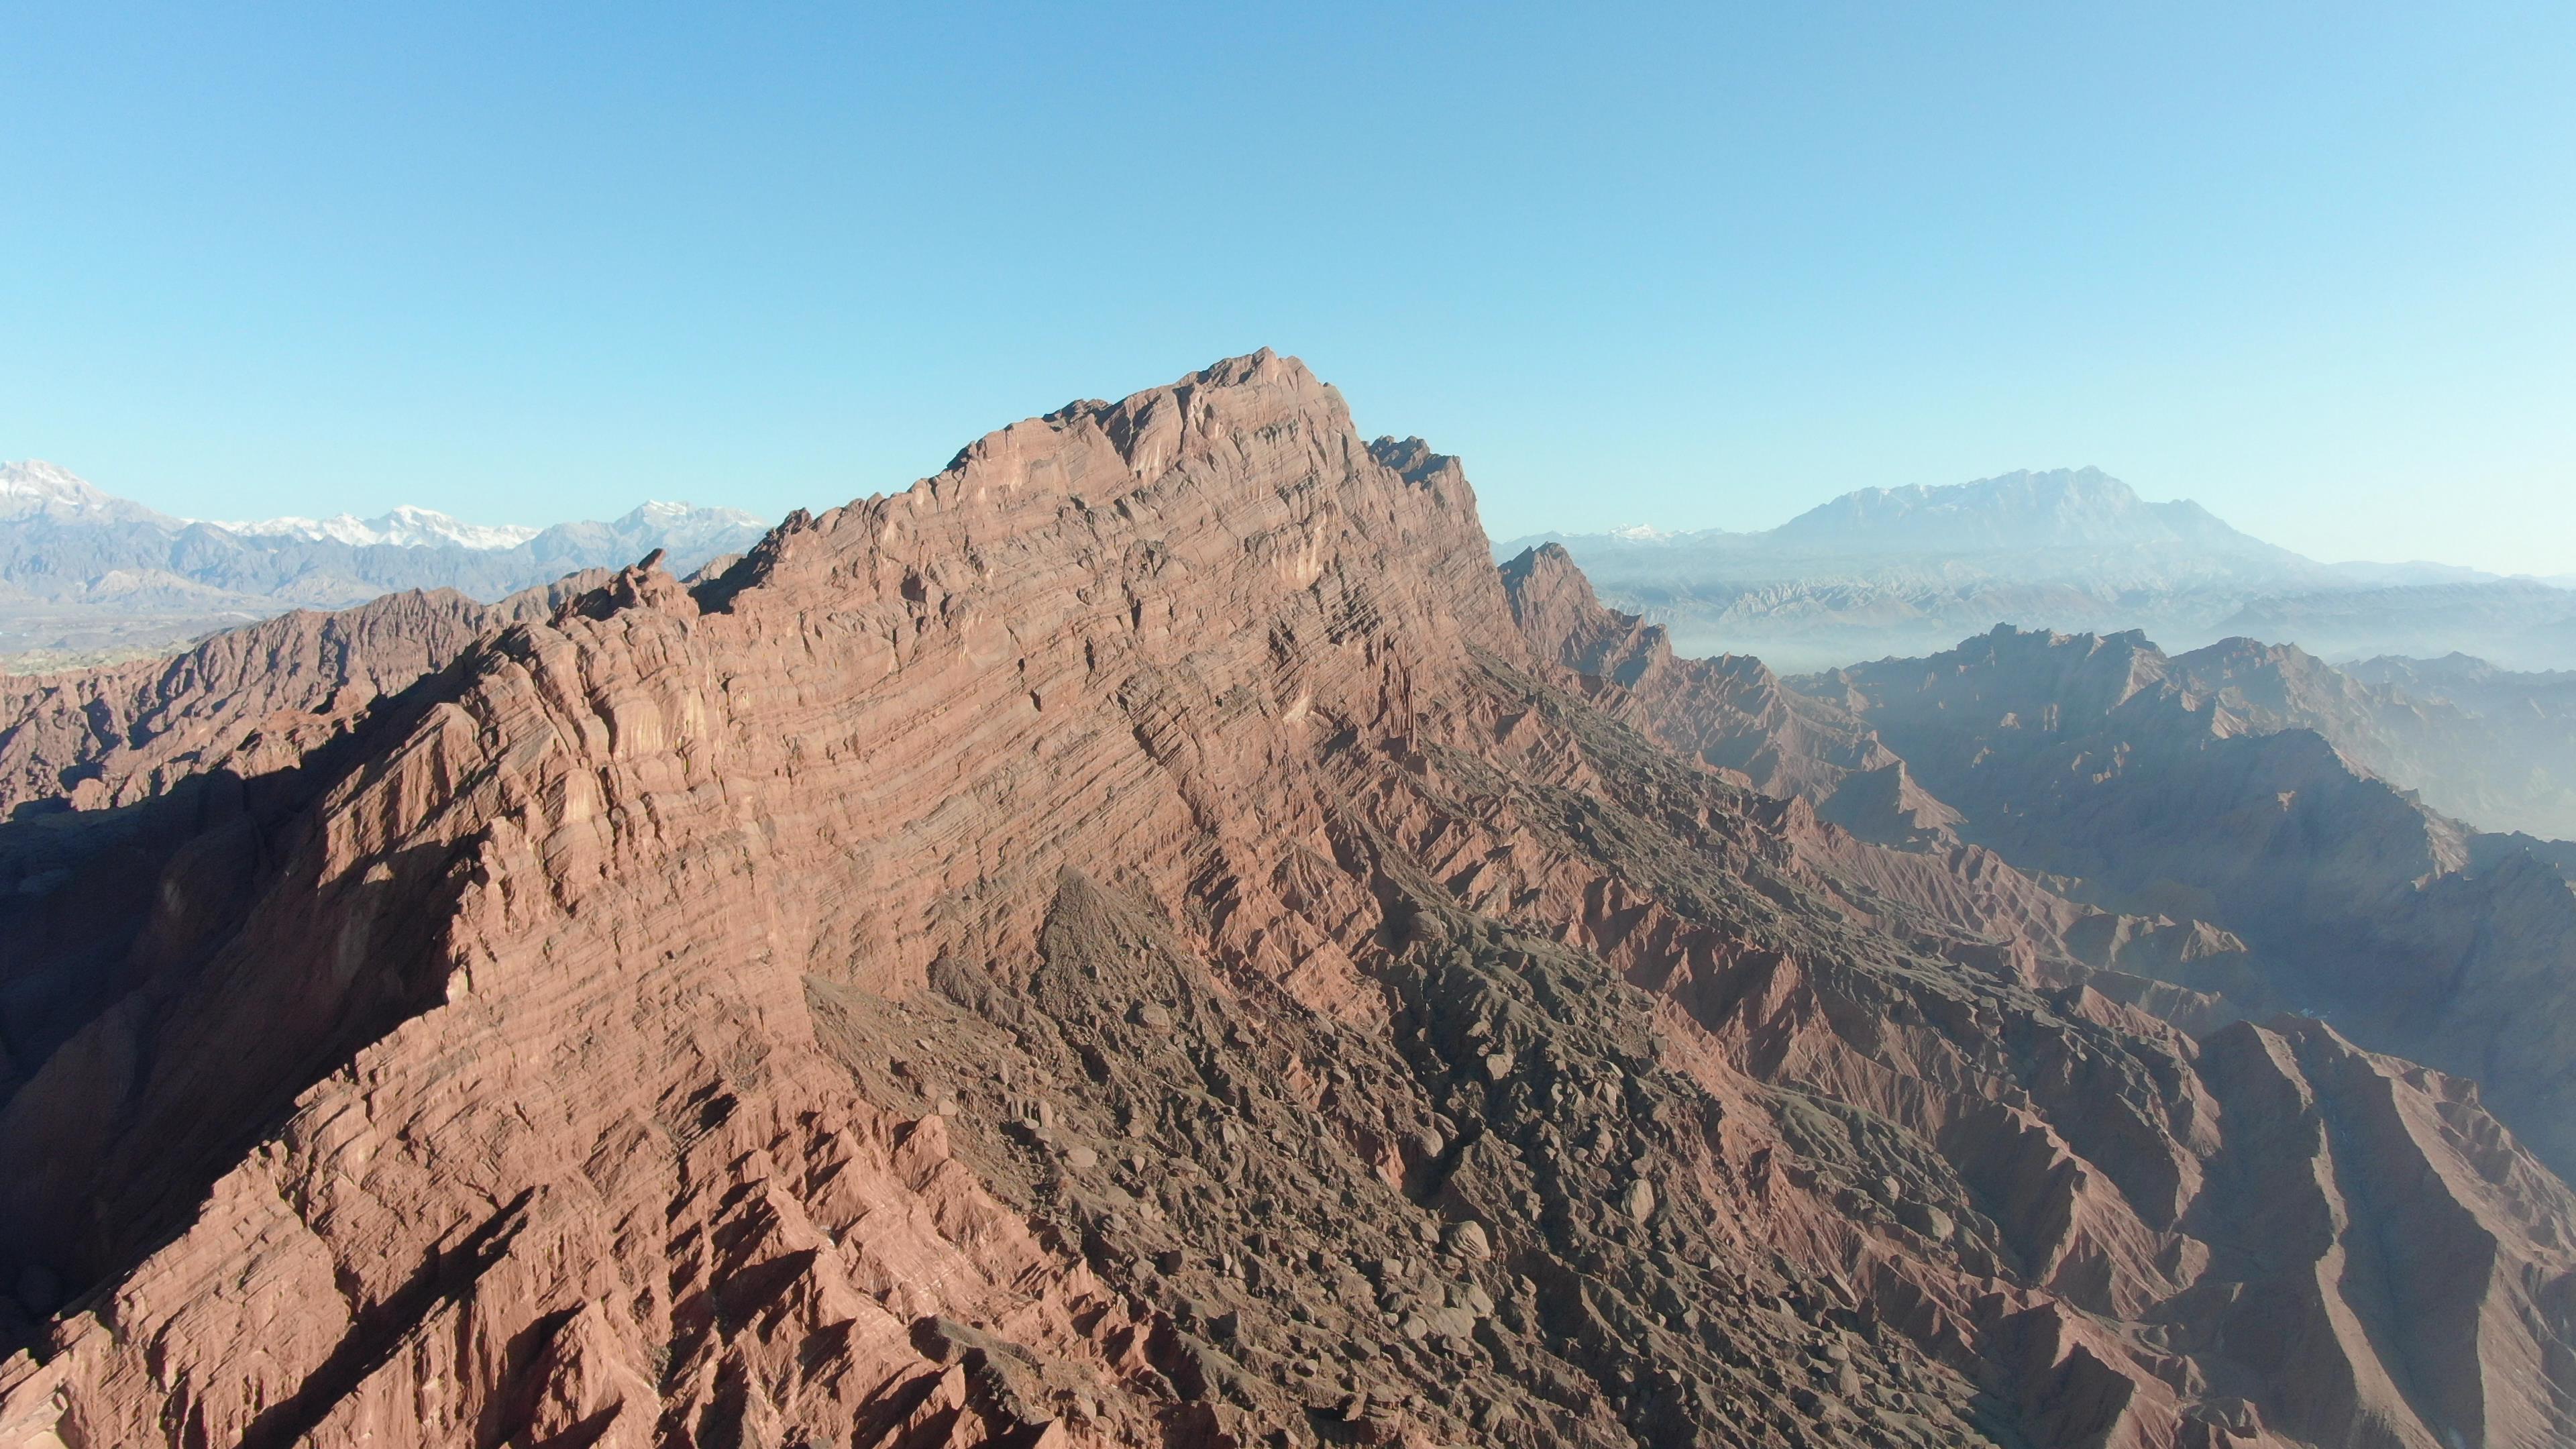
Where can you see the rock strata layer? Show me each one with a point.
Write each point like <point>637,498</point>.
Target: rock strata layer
<point>1135,940</point>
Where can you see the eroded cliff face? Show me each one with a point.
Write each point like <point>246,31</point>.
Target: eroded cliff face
<point>94,739</point>
<point>1132,941</point>
<point>143,794</point>
<point>248,702</point>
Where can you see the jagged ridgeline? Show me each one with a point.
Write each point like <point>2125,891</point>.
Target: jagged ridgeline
<point>1149,937</point>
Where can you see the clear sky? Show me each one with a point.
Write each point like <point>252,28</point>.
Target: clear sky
<point>1696,265</point>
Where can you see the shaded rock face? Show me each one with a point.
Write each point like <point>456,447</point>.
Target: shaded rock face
<point>139,796</point>
<point>1898,857</point>
<point>1730,712</point>
<point>2155,782</point>
<point>1135,941</point>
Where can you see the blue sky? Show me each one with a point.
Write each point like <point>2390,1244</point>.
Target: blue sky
<point>2314,265</point>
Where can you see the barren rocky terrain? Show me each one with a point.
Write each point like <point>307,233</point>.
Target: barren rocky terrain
<point>2171,786</point>
<point>1149,937</point>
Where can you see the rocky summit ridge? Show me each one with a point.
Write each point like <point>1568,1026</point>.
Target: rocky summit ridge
<point>1148,937</point>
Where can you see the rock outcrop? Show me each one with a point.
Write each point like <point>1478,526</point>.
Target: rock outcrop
<point>1730,712</point>
<point>1897,861</point>
<point>249,701</point>
<point>1131,941</point>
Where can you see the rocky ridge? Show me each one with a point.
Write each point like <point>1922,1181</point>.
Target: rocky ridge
<point>1134,940</point>
<point>249,700</point>
<point>1898,849</point>
<point>2165,787</point>
<point>2516,767</point>
<point>2489,747</point>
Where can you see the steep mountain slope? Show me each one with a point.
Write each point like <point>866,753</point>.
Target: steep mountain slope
<point>1730,712</point>
<point>107,769</point>
<point>1131,942</point>
<point>2521,764</point>
<point>1901,849</point>
<point>1908,571</point>
<point>2155,782</point>
<point>84,573</point>
<point>2483,745</point>
<point>36,489</point>
<point>248,701</point>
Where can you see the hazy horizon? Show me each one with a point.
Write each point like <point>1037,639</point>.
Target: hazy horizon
<point>2305,266</point>
<point>1593,528</point>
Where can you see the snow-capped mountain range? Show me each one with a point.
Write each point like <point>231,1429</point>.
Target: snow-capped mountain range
<point>406,527</point>
<point>85,573</point>
<point>36,489</point>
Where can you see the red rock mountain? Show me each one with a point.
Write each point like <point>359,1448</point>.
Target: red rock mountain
<point>249,701</point>
<point>1730,712</point>
<point>1135,940</point>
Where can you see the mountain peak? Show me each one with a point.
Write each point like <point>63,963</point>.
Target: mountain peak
<point>1029,958</point>
<point>1253,457</point>
<point>2009,512</point>
<point>407,525</point>
<point>35,488</point>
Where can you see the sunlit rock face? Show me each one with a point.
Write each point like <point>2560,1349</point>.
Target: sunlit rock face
<point>1148,937</point>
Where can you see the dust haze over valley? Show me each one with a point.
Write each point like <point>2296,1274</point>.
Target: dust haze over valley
<point>599,851</point>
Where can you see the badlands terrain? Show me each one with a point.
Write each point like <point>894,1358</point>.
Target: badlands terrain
<point>1150,936</point>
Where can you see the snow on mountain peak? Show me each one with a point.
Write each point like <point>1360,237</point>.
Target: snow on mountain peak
<point>35,488</point>
<point>664,511</point>
<point>36,478</point>
<point>407,526</point>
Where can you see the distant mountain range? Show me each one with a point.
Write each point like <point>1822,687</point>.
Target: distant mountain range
<point>407,526</point>
<point>86,576</point>
<point>1893,571</point>
<point>2065,509</point>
